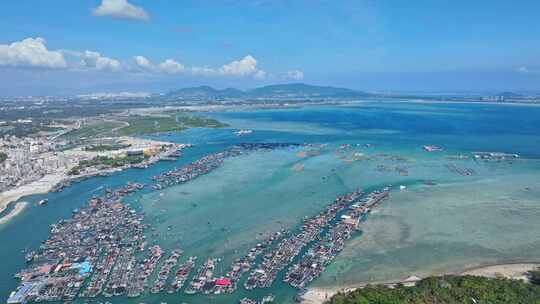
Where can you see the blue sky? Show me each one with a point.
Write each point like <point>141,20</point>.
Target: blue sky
<point>71,46</point>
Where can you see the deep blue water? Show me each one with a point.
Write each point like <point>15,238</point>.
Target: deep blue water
<point>507,128</point>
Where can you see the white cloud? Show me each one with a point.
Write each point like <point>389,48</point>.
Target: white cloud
<point>242,67</point>
<point>143,62</point>
<point>30,52</point>
<point>295,75</point>
<point>94,60</point>
<point>246,66</point>
<point>171,66</point>
<point>120,9</point>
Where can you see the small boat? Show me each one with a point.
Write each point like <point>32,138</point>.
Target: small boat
<point>243,132</point>
<point>43,202</point>
<point>30,256</point>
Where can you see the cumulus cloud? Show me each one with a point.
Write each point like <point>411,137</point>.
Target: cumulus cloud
<point>242,67</point>
<point>171,66</point>
<point>30,52</point>
<point>246,66</point>
<point>143,63</point>
<point>96,61</point>
<point>120,9</point>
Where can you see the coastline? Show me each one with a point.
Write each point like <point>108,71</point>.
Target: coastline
<point>41,186</point>
<point>48,182</point>
<point>517,270</point>
<point>19,207</point>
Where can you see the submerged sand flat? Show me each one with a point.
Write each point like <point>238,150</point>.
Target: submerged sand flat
<point>458,223</point>
<point>430,230</point>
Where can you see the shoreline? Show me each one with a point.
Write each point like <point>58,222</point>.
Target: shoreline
<point>19,207</point>
<point>510,270</point>
<point>41,186</point>
<point>50,181</point>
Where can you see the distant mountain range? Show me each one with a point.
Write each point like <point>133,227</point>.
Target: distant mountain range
<point>292,90</point>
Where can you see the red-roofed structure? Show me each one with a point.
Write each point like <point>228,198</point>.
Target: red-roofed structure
<point>223,282</point>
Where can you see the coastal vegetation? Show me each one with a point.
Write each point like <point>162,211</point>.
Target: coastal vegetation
<point>94,129</point>
<point>166,123</point>
<point>111,126</point>
<point>26,128</point>
<point>534,276</point>
<point>105,161</point>
<point>3,157</point>
<point>446,289</point>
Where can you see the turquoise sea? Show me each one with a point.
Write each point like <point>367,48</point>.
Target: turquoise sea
<point>441,222</point>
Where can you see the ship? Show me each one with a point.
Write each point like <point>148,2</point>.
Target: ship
<point>243,132</point>
<point>29,257</point>
<point>432,148</point>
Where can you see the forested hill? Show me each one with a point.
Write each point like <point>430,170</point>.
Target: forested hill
<point>446,290</point>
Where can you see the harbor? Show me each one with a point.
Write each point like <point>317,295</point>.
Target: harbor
<point>101,251</point>
<point>208,234</point>
<point>211,162</point>
<point>313,263</point>
<point>287,249</point>
<point>89,243</point>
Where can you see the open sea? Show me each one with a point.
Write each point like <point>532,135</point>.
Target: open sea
<point>441,222</point>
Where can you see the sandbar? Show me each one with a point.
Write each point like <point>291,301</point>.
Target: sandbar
<point>19,207</point>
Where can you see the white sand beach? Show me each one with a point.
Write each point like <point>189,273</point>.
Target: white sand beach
<point>19,207</point>
<point>517,271</point>
<point>43,185</point>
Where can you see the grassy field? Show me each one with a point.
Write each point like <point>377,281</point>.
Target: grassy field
<point>137,124</point>
<point>166,123</point>
<point>94,129</point>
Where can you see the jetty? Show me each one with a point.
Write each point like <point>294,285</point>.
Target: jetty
<point>313,263</point>
<point>287,249</point>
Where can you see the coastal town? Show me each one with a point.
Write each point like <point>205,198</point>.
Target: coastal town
<point>35,165</point>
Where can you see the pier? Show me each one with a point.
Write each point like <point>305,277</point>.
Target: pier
<point>314,261</point>
<point>285,252</point>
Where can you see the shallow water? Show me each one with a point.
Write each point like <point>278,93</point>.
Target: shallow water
<point>461,221</point>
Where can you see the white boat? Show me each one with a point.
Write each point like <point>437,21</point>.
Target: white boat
<point>243,132</point>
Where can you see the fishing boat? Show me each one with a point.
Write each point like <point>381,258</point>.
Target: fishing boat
<point>29,257</point>
<point>243,132</point>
